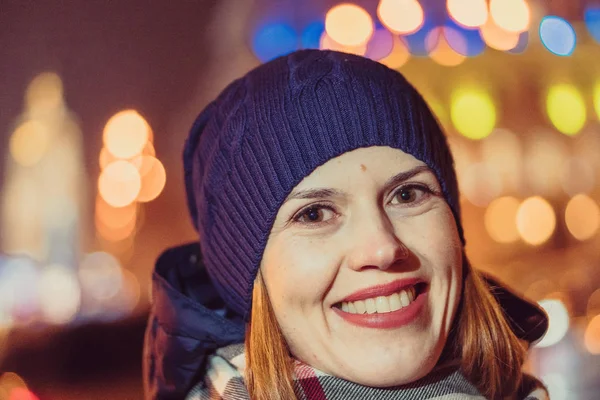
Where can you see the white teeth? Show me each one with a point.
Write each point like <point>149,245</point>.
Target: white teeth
<point>381,304</point>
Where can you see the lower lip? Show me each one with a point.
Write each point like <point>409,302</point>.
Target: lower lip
<point>390,320</point>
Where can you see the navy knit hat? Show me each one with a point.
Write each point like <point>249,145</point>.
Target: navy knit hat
<point>271,128</point>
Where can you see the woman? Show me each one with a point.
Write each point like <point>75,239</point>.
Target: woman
<point>331,262</point>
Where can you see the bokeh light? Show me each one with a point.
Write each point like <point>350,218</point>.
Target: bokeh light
<point>593,304</point>
<point>510,15</point>
<point>120,183</point>
<point>273,40</point>
<point>126,134</point>
<point>497,38</point>
<point>557,35</point>
<point>465,41</point>
<point>115,217</point>
<point>59,293</point>
<point>21,393</point>
<point>566,108</point>
<point>597,98</point>
<point>349,25</point>
<point>522,44</point>
<point>536,220</point>
<point>500,219</point>
<point>29,142</point>
<point>591,17</point>
<point>469,13</point>
<point>380,45</point>
<point>153,177</point>
<point>480,184</point>
<point>44,93</point>
<point>100,276</point>
<point>545,155</point>
<point>592,336</point>
<point>117,232</point>
<point>473,113</point>
<point>558,322</point>
<point>311,35</point>
<point>399,55</point>
<point>582,216</point>
<point>327,43</point>
<point>502,151</point>
<point>443,53</point>
<point>401,16</point>
<point>420,43</point>
<point>557,386</point>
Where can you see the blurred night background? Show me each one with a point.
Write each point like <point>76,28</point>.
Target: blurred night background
<point>96,99</point>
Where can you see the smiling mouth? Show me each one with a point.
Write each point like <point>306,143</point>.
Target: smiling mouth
<point>384,304</point>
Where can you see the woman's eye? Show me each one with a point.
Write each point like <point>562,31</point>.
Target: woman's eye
<point>314,215</point>
<point>409,194</point>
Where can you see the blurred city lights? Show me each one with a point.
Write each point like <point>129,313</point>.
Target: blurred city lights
<point>420,43</point>
<point>593,304</point>
<point>59,294</point>
<point>545,155</point>
<point>273,40</point>
<point>126,134</point>
<point>499,219</point>
<point>465,41</point>
<point>480,184</point>
<point>582,217</point>
<point>115,217</point>
<point>100,276</point>
<point>399,55</point>
<point>18,295</point>
<point>557,35</point>
<point>535,220</point>
<point>469,13</point>
<point>12,386</point>
<point>498,38</point>
<point>557,385</point>
<point>566,108</point>
<point>120,183</point>
<point>522,44</point>
<point>472,112</point>
<point>29,142</point>
<point>591,17</point>
<point>577,176</point>
<point>592,336</point>
<point>327,43</point>
<point>558,322</point>
<point>597,98</point>
<point>116,232</point>
<point>21,393</point>
<point>443,53</point>
<point>44,93</point>
<point>502,151</point>
<point>540,289</point>
<point>510,15</point>
<point>153,177</point>
<point>401,16</point>
<point>349,25</point>
<point>380,45</point>
<point>311,35</point>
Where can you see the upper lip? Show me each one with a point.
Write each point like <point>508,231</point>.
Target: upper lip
<point>385,289</point>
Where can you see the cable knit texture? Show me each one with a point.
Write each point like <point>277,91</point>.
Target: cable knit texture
<point>271,128</point>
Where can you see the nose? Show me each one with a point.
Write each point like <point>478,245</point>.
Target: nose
<point>375,244</point>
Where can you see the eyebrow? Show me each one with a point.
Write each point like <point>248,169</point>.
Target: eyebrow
<point>323,193</point>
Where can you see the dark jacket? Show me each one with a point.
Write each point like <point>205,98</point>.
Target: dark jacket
<point>189,321</point>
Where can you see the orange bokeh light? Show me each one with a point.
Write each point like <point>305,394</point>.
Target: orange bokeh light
<point>401,16</point>
<point>106,157</point>
<point>592,336</point>
<point>115,233</point>
<point>119,183</point>
<point>154,178</point>
<point>113,217</point>
<point>327,43</point>
<point>399,55</point>
<point>443,54</point>
<point>469,13</point>
<point>536,220</point>
<point>498,38</point>
<point>349,25</point>
<point>126,134</point>
<point>510,15</point>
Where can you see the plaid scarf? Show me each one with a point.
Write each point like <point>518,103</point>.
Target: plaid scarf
<point>225,371</point>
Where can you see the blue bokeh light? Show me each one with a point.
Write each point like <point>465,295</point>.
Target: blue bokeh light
<point>418,43</point>
<point>522,44</point>
<point>592,21</point>
<point>311,35</point>
<point>468,43</point>
<point>273,40</point>
<point>557,35</point>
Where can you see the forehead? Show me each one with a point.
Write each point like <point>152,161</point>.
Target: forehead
<point>367,162</point>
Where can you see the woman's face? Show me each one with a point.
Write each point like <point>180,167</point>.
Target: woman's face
<point>363,268</point>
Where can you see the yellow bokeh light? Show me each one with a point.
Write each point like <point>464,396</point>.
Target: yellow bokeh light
<point>510,15</point>
<point>592,336</point>
<point>473,113</point>
<point>29,142</point>
<point>498,38</point>
<point>153,176</point>
<point>349,25</point>
<point>399,55</point>
<point>120,183</point>
<point>126,134</point>
<point>327,43</point>
<point>401,16</point>
<point>558,322</point>
<point>582,217</point>
<point>470,13</point>
<point>597,98</point>
<point>443,54</point>
<point>566,108</point>
<point>115,217</point>
<point>536,220</point>
<point>500,219</point>
<point>115,233</point>
<point>45,92</point>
